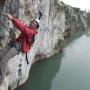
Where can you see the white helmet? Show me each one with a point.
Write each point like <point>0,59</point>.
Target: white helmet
<point>37,20</point>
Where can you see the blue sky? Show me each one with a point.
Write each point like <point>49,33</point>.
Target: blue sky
<point>83,4</point>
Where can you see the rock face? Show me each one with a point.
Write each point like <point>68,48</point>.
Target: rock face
<point>57,22</point>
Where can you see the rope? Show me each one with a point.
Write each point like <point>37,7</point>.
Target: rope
<point>4,26</point>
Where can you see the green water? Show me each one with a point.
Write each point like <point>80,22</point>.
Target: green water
<point>69,70</point>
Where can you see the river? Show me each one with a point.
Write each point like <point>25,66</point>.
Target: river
<point>69,70</point>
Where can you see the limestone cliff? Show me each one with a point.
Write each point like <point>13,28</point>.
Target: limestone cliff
<point>58,21</point>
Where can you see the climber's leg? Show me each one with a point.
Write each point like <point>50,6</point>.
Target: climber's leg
<point>4,61</point>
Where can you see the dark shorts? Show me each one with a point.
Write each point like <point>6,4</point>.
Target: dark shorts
<point>15,44</point>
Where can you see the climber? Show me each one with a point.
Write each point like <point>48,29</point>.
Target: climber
<point>22,43</point>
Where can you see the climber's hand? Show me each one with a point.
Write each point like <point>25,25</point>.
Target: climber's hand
<point>9,16</point>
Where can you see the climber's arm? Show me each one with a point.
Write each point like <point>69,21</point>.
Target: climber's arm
<point>17,23</point>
